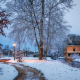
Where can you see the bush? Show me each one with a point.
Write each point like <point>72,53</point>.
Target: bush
<point>34,56</point>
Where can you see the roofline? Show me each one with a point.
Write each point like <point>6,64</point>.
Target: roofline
<point>73,45</point>
<point>73,51</point>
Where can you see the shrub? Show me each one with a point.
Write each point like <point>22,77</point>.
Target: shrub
<point>34,56</point>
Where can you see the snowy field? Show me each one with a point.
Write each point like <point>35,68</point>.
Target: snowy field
<point>7,72</point>
<point>52,69</point>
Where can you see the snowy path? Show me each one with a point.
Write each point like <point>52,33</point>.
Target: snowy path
<point>27,73</point>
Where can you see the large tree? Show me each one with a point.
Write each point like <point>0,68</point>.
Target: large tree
<point>40,21</point>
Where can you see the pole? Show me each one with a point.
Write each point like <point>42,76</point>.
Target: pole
<point>14,52</point>
<point>35,48</point>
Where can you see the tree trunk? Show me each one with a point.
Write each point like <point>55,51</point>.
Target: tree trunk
<point>19,43</point>
<point>40,52</point>
<point>45,55</point>
<point>41,34</point>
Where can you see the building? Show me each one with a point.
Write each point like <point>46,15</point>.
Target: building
<point>70,50</point>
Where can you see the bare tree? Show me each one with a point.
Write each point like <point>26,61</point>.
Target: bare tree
<point>40,21</point>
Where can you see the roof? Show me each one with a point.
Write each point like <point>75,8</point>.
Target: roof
<point>73,43</point>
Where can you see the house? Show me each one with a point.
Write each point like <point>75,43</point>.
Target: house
<point>72,47</point>
<point>70,50</point>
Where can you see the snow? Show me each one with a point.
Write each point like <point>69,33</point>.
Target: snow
<point>6,57</point>
<point>77,60</point>
<point>61,57</point>
<point>7,72</point>
<point>30,58</point>
<point>52,69</point>
<point>48,58</point>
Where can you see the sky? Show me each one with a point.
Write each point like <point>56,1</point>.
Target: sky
<point>72,17</point>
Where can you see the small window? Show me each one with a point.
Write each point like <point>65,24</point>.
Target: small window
<point>73,49</point>
<point>69,54</point>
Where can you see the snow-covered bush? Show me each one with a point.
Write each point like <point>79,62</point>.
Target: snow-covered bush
<point>75,56</point>
<point>19,55</point>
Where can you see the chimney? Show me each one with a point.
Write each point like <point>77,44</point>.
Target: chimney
<point>71,39</point>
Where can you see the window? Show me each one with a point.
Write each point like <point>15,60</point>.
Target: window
<point>69,54</point>
<point>73,49</point>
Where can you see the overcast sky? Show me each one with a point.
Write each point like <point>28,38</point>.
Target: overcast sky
<point>72,17</point>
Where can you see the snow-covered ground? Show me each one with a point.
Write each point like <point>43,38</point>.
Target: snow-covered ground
<point>52,69</point>
<point>7,72</point>
<point>77,60</point>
